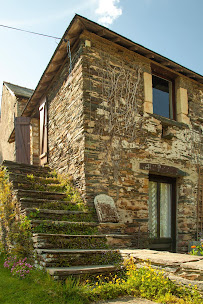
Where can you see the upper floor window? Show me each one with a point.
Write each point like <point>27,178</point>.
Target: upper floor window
<point>163,97</point>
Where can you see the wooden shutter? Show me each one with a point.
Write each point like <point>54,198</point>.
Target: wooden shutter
<point>43,132</point>
<point>22,139</point>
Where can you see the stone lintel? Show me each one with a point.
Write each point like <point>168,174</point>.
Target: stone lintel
<point>162,169</point>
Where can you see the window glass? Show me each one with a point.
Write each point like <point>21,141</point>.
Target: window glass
<point>162,96</point>
<point>165,210</point>
<point>153,209</point>
<point>160,209</point>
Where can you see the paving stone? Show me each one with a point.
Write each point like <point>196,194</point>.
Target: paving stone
<point>127,300</point>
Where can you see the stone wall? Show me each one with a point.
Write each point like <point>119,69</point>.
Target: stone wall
<point>65,121</point>
<point>34,141</point>
<point>11,106</point>
<point>8,108</point>
<point>119,135</point>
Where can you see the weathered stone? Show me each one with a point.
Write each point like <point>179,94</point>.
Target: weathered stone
<point>106,209</point>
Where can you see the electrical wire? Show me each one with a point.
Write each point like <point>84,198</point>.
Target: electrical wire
<point>30,32</point>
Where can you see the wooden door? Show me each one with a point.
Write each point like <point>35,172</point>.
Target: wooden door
<point>43,131</point>
<point>22,139</point>
<point>162,213</point>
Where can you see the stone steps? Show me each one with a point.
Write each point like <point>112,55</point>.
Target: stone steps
<point>21,193</point>
<point>64,227</point>
<point>22,178</point>
<point>79,241</point>
<point>67,237</point>
<point>43,203</point>
<point>64,272</point>
<point>59,215</point>
<point>37,186</point>
<point>77,257</point>
<point>19,168</point>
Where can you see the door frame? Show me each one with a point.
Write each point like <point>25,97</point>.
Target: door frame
<point>167,243</point>
<point>43,131</point>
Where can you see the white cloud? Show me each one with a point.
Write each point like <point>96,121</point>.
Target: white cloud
<point>108,11</point>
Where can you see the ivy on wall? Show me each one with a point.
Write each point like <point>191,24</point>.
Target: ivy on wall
<point>15,228</point>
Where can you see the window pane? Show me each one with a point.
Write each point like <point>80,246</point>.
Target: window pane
<point>165,210</point>
<point>161,96</point>
<point>153,209</point>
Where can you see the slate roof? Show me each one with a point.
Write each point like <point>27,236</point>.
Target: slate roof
<point>76,27</point>
<point>19,91</point>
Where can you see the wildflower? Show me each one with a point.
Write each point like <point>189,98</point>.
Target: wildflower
<point>193,246</point>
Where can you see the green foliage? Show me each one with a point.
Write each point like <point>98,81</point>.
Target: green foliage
<point>40,287</point>
<point>197,250</point>
<point>66,205</point>
<point>16,229</point>
<point>79,242</point>
<point>143,282</point>
<point>101,258</point>
<point>64,228</point>
<point>20,268</point>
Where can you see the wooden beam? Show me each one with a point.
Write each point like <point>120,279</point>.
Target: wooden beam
<point>101,33</point>
<point>39,92</point>
<point>165,63</point>
<point>115,39</point>
<point>150,56</point>
<point>43,84</point>
<point>178,69</point>
<point>57,62</point>
<point>189,74</point>
<point>49,74</point>
<point>133,48</point>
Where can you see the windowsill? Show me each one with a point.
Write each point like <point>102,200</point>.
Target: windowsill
<point>169,122</point>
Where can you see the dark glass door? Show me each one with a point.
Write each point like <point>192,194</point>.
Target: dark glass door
<point>162,218</point>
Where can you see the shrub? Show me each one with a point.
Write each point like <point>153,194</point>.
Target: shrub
<point>18,268</point>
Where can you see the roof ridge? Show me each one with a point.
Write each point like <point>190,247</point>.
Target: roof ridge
<point>16,85</point>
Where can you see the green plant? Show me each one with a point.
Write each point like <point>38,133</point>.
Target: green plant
<point>143,282</point>
<point>197,250</point>
<point>15,228</point>
<point>65,228</point>
<point>19,268</point>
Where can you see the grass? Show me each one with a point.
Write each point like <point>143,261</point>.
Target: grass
<point>37,288</point>
<point>144,282</point>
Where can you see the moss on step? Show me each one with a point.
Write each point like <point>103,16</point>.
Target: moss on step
<point>64,228</point>
<point>71,217</point>
<point>66,205</point>
<point>78,243</point>
<point>96,258</point>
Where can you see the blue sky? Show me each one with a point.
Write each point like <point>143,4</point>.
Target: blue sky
<point>172,28</point>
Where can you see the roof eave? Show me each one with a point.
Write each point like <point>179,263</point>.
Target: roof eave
<point>75,28</point>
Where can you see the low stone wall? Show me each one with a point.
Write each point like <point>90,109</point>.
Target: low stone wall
<point>183,268</point>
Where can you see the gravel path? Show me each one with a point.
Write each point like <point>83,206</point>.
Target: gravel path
<point>128,300</point>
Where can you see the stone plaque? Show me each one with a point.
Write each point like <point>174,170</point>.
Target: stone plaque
<point>106,209</point>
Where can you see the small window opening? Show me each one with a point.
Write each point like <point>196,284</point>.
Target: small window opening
<point>162,96</point>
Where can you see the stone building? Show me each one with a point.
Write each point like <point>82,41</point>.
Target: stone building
<point>123,121</point>
<point>13,101</point>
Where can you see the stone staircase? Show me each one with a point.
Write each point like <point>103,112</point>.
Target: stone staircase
<point>67,238</point>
